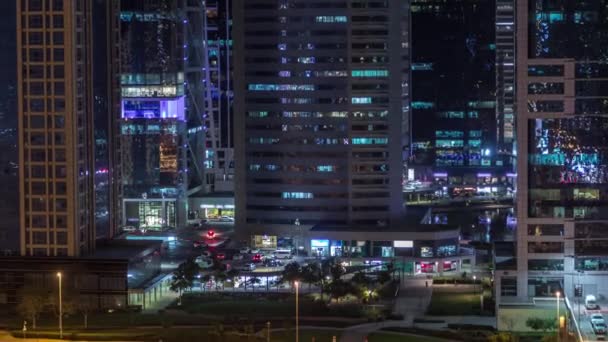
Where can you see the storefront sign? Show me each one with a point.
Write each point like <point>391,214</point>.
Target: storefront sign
<point>319,243</point>
<point>403,244</point>
<point>265,241</point>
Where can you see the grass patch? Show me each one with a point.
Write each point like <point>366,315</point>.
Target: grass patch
<point>454,304</point>
<point>264,307</point>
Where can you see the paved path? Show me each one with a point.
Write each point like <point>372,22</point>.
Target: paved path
<point>414,297</point>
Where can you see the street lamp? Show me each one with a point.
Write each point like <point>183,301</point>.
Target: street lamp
<point>296,284</point>
<point>475,282</point>
<point>557,294</point>
<point>60,308</point>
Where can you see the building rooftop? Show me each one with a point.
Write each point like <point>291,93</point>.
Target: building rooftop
<point>124,249</point>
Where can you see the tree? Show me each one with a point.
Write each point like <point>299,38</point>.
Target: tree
<point>183,277</point>
<point>340,288</point>
<point>33,301</point>
<point>205,278</point>
<point>291,273</point>
<point>360,278</point>
<point>311,274</point>
<point>232,274</point>
<point>84,306</point>
<point>536,323</point>
<point>336,271</point>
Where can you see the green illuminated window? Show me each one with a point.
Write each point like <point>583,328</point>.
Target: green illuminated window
<point>369,73</point>
<point>331,19</point>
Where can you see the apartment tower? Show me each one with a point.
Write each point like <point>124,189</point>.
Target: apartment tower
<point>562,149</point>
<point>321,114</point>
<point>55,127</point>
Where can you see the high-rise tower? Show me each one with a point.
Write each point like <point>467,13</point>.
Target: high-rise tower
<point>321,113</point>
<point>562,150</point>
<point>55,127</point>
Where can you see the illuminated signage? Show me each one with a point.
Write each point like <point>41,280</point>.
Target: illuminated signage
<point>153,109</point>
<point>403,244</point>
<point>319,243</point>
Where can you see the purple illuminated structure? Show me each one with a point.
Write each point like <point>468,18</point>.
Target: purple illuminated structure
<point>153,108</point>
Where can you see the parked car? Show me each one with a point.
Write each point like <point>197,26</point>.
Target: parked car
<point>204,262</point>
<point>220,256</point>
<point>200,243</point>
<point>226,219</point>
<point>591,303</point>
<point>238,257</point>
<point>257,257</point>
<point>282,254</point>
<point>245,250</point>
<point>207,254</point>
<point>272,263</point>
<point>248,267</point>
<point>129,229</point>
<point>210,234</point>
<point>599,329</point>
<point>254,251</point>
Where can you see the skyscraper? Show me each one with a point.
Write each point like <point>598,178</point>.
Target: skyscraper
<point>454,135</point>
<point>153,125</point>
<point>321,114</point>
<point>55,127</point>
<point>562,148</point>
<point>505,78</point>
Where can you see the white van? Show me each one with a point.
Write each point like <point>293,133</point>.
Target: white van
<point>282,254</point>
<point>591,303</point>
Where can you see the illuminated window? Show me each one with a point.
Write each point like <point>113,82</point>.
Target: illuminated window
<point>369,73</point>
<point>331,19</point>
<point>449,134</point>
<point>297,195</point>
<point>475,134</point>
<point>325,168</point>
<point>280,87</point>
<point>369,141</point>
<point>361,100</point>
<point>449,143</point>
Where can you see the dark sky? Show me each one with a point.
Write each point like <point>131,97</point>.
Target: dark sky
<point>7,43</point>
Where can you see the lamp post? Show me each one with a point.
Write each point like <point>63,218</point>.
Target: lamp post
<point>60,308</point>
<point>296,284</point>
<point>557,295</point>
<point>475,282</point>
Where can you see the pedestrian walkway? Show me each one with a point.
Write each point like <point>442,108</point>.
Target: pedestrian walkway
<point>414,297</point>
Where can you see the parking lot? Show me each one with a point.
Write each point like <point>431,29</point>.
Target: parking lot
<point>584,316</point>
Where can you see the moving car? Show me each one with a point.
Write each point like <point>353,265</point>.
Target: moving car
<point>591,303</point>
<point>599,329</point>
<point>597,318</point>
<point>226,219</point>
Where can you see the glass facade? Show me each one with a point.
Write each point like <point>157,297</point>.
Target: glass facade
<point>568,168</point>
<point>325,113</point>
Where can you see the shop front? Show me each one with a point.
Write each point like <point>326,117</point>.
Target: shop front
<point>150,214</point>
<point>264,241</point>
<point>211,208</point>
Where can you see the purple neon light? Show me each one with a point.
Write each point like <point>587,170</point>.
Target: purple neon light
<point>484,175</point>
<point>440,174</point>
<point>166,109</point>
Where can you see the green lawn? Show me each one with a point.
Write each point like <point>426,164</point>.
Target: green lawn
<point>454,304</point>
<point>185,334</point>
<point>388,337</point>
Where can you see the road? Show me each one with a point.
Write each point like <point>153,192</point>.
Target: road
<point>584,321</point>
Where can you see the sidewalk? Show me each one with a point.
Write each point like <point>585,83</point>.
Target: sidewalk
<point>414,298</point>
